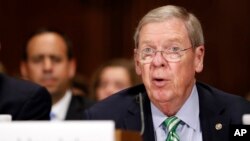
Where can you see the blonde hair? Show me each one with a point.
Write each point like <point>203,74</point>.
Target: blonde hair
<point>164,13</point>
<point>127,64</point>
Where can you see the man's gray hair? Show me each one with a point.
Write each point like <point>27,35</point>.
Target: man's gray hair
<point>164,13</point>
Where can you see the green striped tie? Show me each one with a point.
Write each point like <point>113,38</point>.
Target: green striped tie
<point>171,124</point>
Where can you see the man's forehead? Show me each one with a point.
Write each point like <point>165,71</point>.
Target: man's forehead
<point>43,51</point>
<point>46,55</point>
<point>46,47</point>
<point>169,31</point>
<point>48,41</point>
<point>166,40</point>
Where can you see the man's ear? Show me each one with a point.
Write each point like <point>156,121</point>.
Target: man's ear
<point>72,68</point>
<point>137,63</point>
<point>199,58</point>
<point>23,69</point>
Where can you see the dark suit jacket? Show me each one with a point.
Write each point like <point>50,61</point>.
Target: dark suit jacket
<point>23,100</point>
<point>76,108</point>
<point>215,107</point>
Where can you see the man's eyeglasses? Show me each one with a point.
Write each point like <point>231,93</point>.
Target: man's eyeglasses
<point>172,54</point>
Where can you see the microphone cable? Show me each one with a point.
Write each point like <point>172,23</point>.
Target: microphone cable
<point>142,114</point>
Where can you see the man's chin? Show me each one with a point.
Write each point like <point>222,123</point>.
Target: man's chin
<point>162,95</point>
<point>51,90</point>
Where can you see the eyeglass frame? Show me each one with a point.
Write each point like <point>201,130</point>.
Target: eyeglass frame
<point>162,53</point>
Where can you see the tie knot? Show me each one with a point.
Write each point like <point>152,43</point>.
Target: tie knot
<point>171,123</point>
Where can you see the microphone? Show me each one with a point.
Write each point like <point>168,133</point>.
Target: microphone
<point>246,119</point>
<point>142,114</point>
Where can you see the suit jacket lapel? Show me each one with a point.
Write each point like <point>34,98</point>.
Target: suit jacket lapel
<point>133,118</point>
<point>149,134</point>
<point>214,124</point>
<point>75,109</point>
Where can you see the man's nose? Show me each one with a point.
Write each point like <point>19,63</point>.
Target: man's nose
<point>47,65</point>
<point>158,59</point>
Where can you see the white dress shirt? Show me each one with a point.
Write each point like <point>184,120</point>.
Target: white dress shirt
<point>59,109</point>
<point>189,128</point>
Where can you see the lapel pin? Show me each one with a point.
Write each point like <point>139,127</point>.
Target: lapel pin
<point>218,126</point>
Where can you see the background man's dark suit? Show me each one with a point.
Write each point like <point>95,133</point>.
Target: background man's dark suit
<point>76,108</point>
<point>216,107</point>
<point>23,100</point>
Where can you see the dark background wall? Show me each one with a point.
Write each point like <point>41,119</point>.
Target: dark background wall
<point>103,29</point>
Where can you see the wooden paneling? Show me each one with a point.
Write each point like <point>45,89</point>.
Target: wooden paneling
<point>103,29</point>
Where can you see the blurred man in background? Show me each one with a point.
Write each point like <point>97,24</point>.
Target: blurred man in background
<point>48,60</point>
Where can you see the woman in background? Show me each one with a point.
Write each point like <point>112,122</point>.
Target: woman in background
<point>112,77</point>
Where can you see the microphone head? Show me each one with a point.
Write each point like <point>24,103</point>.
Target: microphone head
<point>246,119</point>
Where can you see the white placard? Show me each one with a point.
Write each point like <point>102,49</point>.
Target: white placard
<point>57,131</point>
<point>5,118</point>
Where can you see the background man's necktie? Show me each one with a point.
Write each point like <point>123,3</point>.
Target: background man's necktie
<point>171,124</point>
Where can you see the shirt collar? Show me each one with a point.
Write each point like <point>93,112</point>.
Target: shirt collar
<point>60,108</point>
<point>157,116</point>
<point>189,112</point>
